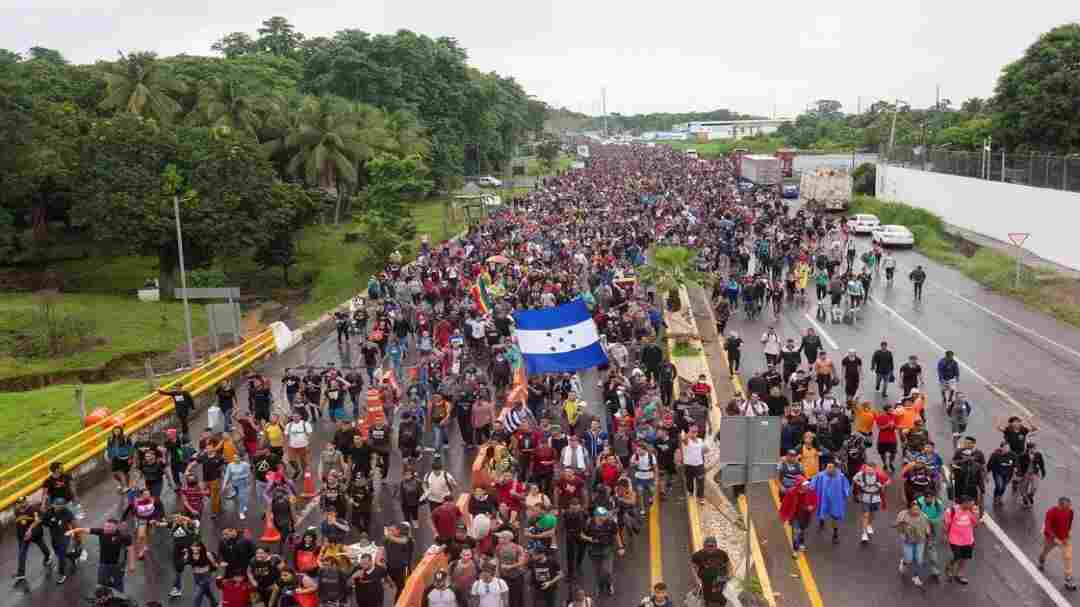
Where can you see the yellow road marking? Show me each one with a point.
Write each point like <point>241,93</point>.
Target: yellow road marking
<point>805,574</point>
<point>655,551</point>
<point>759,558</point>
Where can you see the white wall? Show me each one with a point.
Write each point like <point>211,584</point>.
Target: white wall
<point>992,208</point>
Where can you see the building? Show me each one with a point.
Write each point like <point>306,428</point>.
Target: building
<point>731,129</point>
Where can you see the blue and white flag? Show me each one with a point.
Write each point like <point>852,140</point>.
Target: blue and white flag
<point>559,339</point>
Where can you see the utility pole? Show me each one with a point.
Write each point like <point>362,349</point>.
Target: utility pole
<point>183,281</point>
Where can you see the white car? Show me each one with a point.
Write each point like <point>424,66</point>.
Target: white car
<point>488,181</point>
<point>893,236</point>
<point>863,224</point>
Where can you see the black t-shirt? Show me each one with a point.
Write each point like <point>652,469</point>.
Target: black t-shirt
<point>264,464</point>
<point>59,487</point>
<point>909,373</point>
<point>398,555</point>
<point>154,472</point>
<point>183,534</point>
<point>360,458</point>
<point>603,536</point>
<point>212,466</point>
<point>23,519</point>
<point>226,396</point>
<point>264,572</point>
<point>292,383</point>
<point>368,586</point>
<point>1017,439</point>
<point>113,545</point>
<point>544,572</point>
<point>713,566</point>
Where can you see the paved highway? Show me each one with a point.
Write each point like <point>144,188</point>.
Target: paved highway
<point>152,579</point>
<point>1014,362</point>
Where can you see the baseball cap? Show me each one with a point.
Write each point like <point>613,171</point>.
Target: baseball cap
<point>710,541</point>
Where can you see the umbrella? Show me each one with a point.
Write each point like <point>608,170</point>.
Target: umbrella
<point>501,259</point>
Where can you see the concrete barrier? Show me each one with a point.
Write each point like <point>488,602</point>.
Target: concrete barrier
<point>424,572</point>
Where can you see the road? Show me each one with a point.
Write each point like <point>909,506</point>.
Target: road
<point>153,577</point>
<point>1013,362</point>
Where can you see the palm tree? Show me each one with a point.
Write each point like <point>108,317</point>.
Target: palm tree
<point>669,269</point>
<point>407,133</point>
<point>135,84</point>
<point>321,143</point>
<point>221,103</point>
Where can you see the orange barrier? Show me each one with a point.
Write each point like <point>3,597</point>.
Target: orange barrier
<point>413,593</point>
<point>26,477</point>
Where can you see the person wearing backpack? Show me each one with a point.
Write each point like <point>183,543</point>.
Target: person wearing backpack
<point>969,471</point>
<point>408,436</point>
<point>643,461</point>
<point>960,523</point>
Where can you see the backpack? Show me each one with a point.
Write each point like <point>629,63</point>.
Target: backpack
<point>407,434</point>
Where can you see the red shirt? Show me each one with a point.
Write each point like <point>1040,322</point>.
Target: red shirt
<point>505,494</point>
<point>445,519</point>
<point>575,487</point>
<point>1058,523</point>
<point>886,423</point>
<point>543,459</point>
<point>235,594</point>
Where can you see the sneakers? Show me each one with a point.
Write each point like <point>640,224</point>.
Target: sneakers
<point>47,563</point>
<point>836,536</point>
<point>18,578</point>
<point>1042,564</point>
<point>918,582</point>
<point>902,567</point>
<point>870,529</point>
<point>243,516</point>
<point>175,593</point>
<point>61,580</point>
<point>865,538</point>
<point>1070,584</point>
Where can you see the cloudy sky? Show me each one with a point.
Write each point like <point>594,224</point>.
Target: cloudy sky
<point>674,55</point>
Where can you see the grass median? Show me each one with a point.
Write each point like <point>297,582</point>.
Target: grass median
<point>32,420</point>
<point>1041,289</point>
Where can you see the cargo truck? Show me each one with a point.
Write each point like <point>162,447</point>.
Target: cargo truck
<point>760,170</point>
<point>826,188</point>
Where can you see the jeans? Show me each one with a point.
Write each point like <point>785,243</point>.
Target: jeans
<point>242,487</point>
<point>644,488</point>
<point>575,555</point>
<point>60,548</point>
<point>918,291</point>
<point>226,413</point>
<point>1001,483</point>
<point>111,576</point>
<point>882,382</point>
<point>439,437</point>
<point>545,598</point>
<point>798,533</point>
<point>355,397</point>
<point>913,555</point>
<point>931,556</point>
<point>204,589</point>
<point>24,551</point>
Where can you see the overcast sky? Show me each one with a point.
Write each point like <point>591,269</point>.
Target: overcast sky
<point>672,55</point>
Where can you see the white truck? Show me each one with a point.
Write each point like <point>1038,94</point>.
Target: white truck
<point>760,170</point>
<point>826,188</point>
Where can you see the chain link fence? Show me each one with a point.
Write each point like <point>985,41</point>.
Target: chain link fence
<point>1037,170</point>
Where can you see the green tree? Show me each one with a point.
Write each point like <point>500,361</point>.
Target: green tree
<point>1037,98</point>
<point>279,37</point>
<point>394,180</point>
<point>384,233</point>
<point>548,151</point>
<point>234,45</point>
<point>321,143</point>
<point>136,86</point>
<point>669,269</point>
<point>278,252</point>
<point>225,103</point>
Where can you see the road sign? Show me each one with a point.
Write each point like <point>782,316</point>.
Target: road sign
<point>752,440</point>
<point>1018,238</point>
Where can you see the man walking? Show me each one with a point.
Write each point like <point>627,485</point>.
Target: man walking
<point>883,366</point>
<point>1057,533</point>
<point>918,277</point>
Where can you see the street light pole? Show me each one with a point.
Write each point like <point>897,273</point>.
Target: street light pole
<point>183,281</point>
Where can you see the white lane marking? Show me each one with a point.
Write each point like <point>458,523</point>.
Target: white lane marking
<point>821,331</point>
<point>1012,323</point>
<point>1025,562</point>
<point>996,390</point>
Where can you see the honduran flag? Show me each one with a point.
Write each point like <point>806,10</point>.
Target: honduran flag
<point>559,339</point>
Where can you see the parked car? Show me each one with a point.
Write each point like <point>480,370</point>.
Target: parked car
<point>790,190</point>
<point>893,236</point>
<point>487,181</point>
<point>863,224</point>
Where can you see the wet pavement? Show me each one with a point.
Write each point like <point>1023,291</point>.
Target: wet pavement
<point>153,576</point>
<point>1014,362</point>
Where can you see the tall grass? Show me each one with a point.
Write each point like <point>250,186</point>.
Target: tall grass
<point>1040,289</point>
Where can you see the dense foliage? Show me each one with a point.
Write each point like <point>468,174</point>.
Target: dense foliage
<point>280,129</point>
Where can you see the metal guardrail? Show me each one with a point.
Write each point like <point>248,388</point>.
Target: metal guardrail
<point>27,476</point>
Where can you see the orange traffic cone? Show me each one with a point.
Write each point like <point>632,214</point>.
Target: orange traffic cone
<point>309,486</point>
<point>270,535</point>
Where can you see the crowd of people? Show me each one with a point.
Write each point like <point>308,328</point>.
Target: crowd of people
<point>427,359</point>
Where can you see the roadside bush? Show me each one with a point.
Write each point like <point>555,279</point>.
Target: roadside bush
<point>864,179</point>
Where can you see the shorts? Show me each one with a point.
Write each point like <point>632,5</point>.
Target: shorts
<point>871,506</point>
<point>883,448</point>
<point>297,453</point>
<point>121,465</point>
<point>962,552</point>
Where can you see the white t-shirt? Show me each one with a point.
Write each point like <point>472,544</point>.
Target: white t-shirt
<point>489,593</point>
<point>441,597</point>
<point>297,434</point>
<point>694,452</point>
